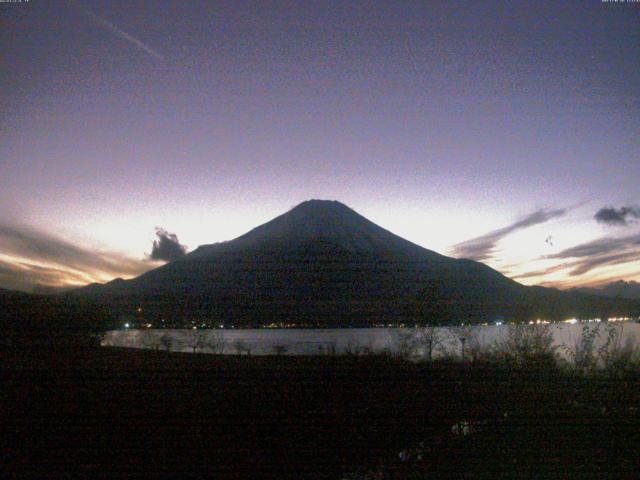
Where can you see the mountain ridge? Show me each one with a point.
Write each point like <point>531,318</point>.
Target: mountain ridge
<point>619,289</point>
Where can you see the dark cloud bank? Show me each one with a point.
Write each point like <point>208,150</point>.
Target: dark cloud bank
<point>617,216</point>
<point>167,247</point>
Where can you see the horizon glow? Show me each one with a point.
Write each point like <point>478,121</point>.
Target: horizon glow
<point>440,122</point>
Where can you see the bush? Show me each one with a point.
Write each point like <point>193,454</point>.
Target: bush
<point>582,354</point>
<point>419,342</point>
<point>151,340</point>
<point>469,343</point>
<point>615,357</point>
<point>404,342</point>
<point>241,347</point>
<point>213,340</point>
<point>167,342</point>
<point>526,345</point>
<point>279,349</point>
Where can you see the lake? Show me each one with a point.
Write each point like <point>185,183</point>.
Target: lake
<point>268,341</point>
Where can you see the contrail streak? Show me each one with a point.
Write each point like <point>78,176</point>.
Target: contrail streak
<point>118,32</point>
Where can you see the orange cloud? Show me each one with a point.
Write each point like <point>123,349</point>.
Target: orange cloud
<point>31,258</point>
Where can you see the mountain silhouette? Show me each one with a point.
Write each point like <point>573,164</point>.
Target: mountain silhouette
<point>323,264</point>
<point>617,289</point>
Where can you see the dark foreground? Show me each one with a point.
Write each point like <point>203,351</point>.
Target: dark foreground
<point>110,412</point>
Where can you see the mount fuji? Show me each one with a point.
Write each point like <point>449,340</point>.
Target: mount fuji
<point>323,264</point>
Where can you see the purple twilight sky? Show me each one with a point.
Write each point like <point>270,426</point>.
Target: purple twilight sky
<point>505,131</point>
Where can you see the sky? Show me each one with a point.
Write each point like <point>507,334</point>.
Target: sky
<point>504,131</point>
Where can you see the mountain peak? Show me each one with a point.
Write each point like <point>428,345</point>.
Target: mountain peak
<point>324,211</point>
<point>314,221</point>
<point>317,204</point>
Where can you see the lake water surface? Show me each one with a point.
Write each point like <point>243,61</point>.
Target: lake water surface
<point>345,340</point>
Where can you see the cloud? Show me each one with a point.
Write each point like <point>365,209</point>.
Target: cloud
<point>619,216</point>
<point>119,32</point>
<point>601,246</point>
<point>45,248</point>
<point>589,264</point>
<point>30,257</point>
<point>27,277</point>
<point>167,247</point>
<point>588,256</point>
<point>594,282</point>
<point>541,272</point>
<point>481,248</point>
